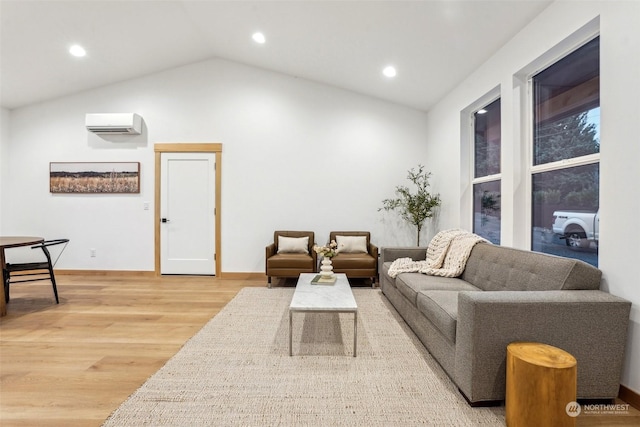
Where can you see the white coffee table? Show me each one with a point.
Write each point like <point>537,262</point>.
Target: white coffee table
<point>335,298</point>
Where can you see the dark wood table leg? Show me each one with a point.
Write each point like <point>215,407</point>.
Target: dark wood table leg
<point>3,304</point>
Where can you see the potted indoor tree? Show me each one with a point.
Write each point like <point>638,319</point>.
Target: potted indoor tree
<point>417,207</point>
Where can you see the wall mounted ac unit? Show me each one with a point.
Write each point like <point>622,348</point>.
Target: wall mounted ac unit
<point>114,123</point>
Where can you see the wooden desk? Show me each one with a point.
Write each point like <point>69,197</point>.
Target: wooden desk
<point>12,242</point>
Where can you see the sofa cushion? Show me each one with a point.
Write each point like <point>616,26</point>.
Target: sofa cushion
<point>409,284</point>
<point>441,308</point>
<point>499,268</point>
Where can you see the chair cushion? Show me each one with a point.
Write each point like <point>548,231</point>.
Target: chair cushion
<point>351,244</point>
<point>290,260</point>
<point>293,245</point>
<point>353,261</point>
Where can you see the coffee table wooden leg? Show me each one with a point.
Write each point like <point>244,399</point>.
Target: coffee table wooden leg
<point>3,305</point>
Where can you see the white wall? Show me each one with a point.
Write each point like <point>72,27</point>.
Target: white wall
<point>4,143</point>
<point>296,155</point>
<point>619,23</point>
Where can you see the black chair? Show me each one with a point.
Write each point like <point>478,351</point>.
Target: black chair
<point>34,271</point>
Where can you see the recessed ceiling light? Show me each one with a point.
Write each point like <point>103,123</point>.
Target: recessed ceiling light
<point>482,111</point>
<point>77,50</point>
<point>259,38</point>
<point>389,71</point>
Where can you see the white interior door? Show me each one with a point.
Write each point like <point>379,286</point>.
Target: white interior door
<point>187,230</point>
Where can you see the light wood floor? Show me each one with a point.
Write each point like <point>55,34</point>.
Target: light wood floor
<point>72,364</point>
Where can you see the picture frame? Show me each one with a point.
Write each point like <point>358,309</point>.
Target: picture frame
<point>94,177</point>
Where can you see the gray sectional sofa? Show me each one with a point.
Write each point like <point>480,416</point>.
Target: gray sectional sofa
<point>506,295</point>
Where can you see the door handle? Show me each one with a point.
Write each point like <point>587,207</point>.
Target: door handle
<point>164,220</point>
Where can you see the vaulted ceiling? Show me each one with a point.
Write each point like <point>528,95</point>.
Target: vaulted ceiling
<point>433,44</point>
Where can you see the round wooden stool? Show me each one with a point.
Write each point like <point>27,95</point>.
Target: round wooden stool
<point>541,382</point>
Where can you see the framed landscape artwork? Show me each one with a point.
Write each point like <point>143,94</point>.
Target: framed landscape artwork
<point>100,177</point>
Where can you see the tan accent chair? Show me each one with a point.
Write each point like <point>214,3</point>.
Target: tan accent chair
<point>356,265</point>
<point>286,264</point>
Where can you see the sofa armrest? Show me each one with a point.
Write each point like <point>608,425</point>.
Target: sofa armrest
<point>392,253</point>
<point>591,325</point>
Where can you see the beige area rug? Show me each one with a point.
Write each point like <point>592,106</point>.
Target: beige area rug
<point>237,371</point>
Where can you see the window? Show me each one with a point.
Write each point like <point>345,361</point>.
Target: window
<point>566,154</point>
<point>486,181</point>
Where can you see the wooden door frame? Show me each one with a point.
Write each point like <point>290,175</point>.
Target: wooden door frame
<point>204,147</point>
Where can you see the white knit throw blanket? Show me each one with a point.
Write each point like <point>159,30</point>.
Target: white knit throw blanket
<point>447,255</point>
